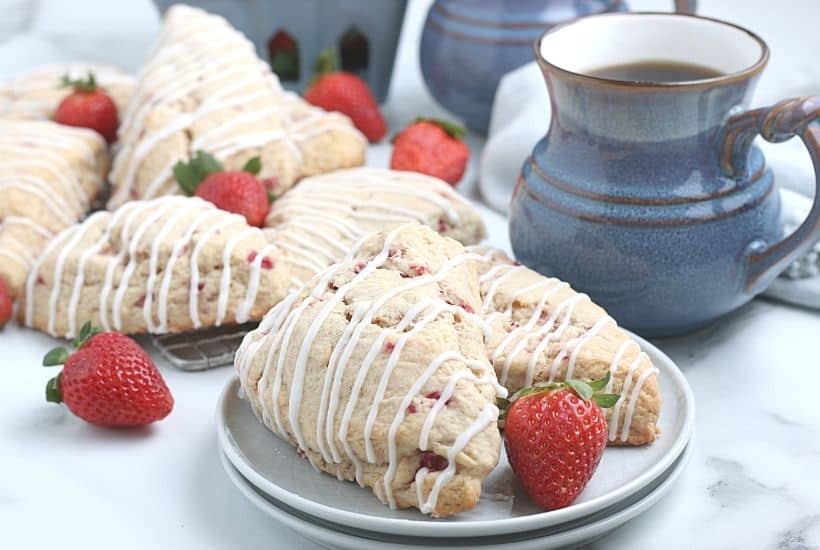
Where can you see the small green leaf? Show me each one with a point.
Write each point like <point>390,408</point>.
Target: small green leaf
<point>55,357</point>
<point>271,197</point>
<point>86,332</point>
<point>205,164</point>
<point>600,384</point>
<point>583,389</point>
<point>186,177</point>
<point>253,166</point>
<point>454,130</point>
<point>53,394</point>
<point>606,400</point>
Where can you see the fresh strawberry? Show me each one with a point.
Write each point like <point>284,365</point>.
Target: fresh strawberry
<point>555,435</point>
<point>431,147</point>
<point>88,106</point>
<point>334,90</point>
<point>236,191</point>
<point>109,381</point>
<point>6,303</point>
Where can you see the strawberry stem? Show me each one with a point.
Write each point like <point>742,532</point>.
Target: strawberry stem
<point>89,84</point>
<point>53,394</point>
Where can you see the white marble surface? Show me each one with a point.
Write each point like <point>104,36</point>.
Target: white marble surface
<point>753,481</point>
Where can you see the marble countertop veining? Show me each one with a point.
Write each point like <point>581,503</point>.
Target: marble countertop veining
<point>752,483</point>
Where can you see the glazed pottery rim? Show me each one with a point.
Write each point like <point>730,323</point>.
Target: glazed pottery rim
<point>743,74</point>
<point>489,23</point>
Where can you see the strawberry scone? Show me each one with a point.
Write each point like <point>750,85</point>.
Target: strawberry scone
<point>166,265</point>
<point>50,175</point>
<point>318,222</point>
<point>541,330</point>
<point>36,94</point>
<point>204,88</point>
<point>376,371</point>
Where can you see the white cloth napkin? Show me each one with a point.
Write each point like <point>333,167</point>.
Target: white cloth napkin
<point>521,116</point>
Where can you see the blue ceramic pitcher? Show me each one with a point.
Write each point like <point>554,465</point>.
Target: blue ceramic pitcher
<point>468,45</point>
<point>650,196</point>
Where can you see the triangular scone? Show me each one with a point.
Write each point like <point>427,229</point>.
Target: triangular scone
<point>204,88</point>
<point>49,177</point>
<point>376,371</point>
<point>166,265</point>
<point>542,330</point>
<point>318,222</point>
<point>36,94</point>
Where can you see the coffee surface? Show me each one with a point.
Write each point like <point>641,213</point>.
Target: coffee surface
<point>655,71</point>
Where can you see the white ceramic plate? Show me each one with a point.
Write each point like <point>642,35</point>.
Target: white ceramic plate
<point>273,466</point>
<point>576,533</point>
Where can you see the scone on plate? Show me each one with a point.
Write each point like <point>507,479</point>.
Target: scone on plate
<point>36,94</point>
<point>204,88</point>
<point>318,222</point>
<point>377,372</point>
<point>541,330</point>
<point>50,175</point>
<point>166,265</point>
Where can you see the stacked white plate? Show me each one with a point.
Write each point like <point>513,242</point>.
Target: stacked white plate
<point>339,514</point>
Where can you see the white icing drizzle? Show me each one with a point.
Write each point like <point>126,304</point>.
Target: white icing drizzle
<point>633,400</point>
<point>488,416</point>
<point>616,410</point>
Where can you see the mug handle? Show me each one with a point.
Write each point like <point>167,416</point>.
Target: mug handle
<point>780,122</point>
<point>686,6</point>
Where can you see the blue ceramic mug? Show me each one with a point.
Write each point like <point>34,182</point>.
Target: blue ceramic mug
<point>650,196</point>
<point>468,45</point>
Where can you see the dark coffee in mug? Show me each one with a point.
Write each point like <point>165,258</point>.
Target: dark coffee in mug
<point>656,71</point>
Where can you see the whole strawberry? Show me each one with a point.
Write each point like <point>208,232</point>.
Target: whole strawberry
<point>555,435</point>
<point>109,381</point>
<point>346,93</point>
<point>88,106</point>
<point>6,304</point>
<point>431,147</point>
<point>240,192</point>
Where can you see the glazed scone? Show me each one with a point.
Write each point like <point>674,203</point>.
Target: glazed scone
<point>36,94</point>
<point>204,88</point>
<point>542,330</point>
<point>318,222</point>
<point>377,372</point>
<point>167,265</point>
<point>50,175</point>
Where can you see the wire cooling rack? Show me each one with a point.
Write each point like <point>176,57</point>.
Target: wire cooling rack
<point>203,349</point>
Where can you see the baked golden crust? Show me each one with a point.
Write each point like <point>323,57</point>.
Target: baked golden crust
<point>318,222</point>
<point>376,371</point>
<point>36,94</point>
<point>542,330</point>
<point>50,175</point>
<point>204,88</point>
<point>167,265</point>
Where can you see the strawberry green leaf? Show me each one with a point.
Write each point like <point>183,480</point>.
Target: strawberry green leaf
<point>541,387</point>
<point>454,130</point>
<point>606,400</point>
<point>86,332</point>
<point>600,384</point>
<point>55,357</point>
<point>253,166</point>
<point>89,84</point>
<point>53,394</point>
<point>583,389</point>
<point>186,177</point>
<point>190,174</point>
<point>271,197</point>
